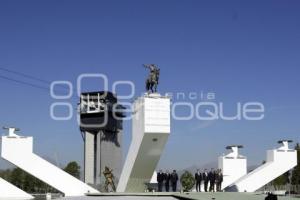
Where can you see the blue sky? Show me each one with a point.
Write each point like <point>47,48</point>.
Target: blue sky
<point>240,50</point>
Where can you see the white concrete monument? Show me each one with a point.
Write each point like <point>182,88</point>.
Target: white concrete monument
<point>278,162</point>
<point>233,165</point>
<point>9,191</point>
<point>18,150</point>
<point>150,131</point>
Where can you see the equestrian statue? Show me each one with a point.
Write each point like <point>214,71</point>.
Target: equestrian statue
<point>153,78</point>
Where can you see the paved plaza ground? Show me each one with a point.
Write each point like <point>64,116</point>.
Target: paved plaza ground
<point>231,196</point>
<point>174,196</point>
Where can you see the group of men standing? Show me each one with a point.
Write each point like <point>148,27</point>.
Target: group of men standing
<point>167,179</point>
<point>213,177</point>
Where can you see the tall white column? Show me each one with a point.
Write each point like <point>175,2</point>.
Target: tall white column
<point>150,131</point>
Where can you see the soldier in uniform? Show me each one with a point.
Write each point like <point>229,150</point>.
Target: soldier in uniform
<point>109,179</point>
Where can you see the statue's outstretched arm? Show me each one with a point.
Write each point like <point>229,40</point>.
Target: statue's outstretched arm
<point>146,66</point>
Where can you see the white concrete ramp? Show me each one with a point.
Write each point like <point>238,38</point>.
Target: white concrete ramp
<point>278,162</point>
<point>19,151</point>
<point>9,191</point>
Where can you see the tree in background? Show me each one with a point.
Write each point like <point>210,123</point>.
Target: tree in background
<point>25,181</point>
<point>187,181</point>
<point>73,168</point>
<point>17,178</point>
<point>30,184</point>
<point>5,174</point>
<point>296,170</point>
<point>281,180</point>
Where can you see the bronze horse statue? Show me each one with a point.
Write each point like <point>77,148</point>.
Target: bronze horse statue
<point>153,79</point>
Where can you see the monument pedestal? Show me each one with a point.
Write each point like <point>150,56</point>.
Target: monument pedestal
<point>150,131</point>
<point>233,166</point>
<point>278,162</point>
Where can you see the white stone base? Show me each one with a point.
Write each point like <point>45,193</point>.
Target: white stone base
<point>150,131</point>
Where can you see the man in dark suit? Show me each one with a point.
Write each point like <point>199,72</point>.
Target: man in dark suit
<point>198,178</point>
<point>167,180</point>
<point>174,179</point>
<point>212,179</point>
<point>160,179</point>
<point>205,179</point>
<point>219,180</point>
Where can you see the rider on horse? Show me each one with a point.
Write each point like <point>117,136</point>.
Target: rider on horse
<point>153,79</point>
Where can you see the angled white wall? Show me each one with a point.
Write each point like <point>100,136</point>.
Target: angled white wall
<point>9,191</point>
<point>154,178</point>
<point>150,131</point>
<point>233,166</point>
<point>278,162</point>
<point>19,151</point>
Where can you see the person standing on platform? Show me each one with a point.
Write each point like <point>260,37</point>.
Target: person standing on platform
<point>205,179</point>
<point>212,179</point>
<point>219,180</point>
<point>160,179</point>
<point>167,180</point>
<point>174,180</point>
<point>198,178</point>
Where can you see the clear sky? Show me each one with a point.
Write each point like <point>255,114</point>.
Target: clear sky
<point>240,50</point>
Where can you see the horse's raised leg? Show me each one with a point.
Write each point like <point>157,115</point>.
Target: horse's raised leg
<point>147,85</point>
<point>151,86</point>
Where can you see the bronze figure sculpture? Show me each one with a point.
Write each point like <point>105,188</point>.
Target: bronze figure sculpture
<point>153,79</point>
<point>109,179</point>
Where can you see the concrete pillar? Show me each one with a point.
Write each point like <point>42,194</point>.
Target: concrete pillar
<point>89,158</point>
<point>150,131</point>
